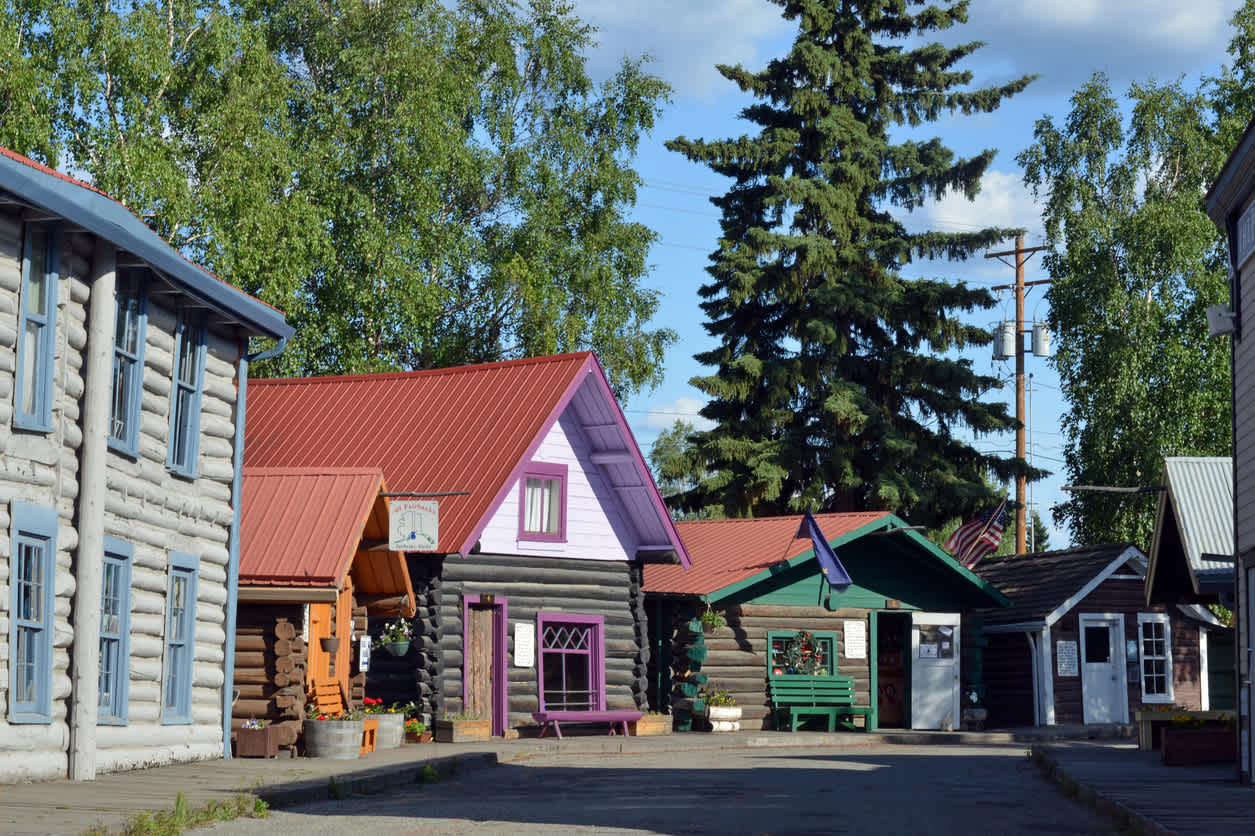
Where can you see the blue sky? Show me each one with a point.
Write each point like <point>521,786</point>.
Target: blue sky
<point>1063,41</point>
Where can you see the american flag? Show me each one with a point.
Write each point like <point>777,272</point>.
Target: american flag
<point>973,540</point>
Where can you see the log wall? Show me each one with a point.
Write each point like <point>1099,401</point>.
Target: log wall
<point>736,656</point>
<point>270,657</point>
<point>145,505</point>
<point>431,673</point>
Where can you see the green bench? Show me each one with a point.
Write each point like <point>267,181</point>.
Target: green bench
<point>794,698</point>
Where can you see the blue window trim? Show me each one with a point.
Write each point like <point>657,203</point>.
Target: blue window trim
<point>176,708</point>
<point>41,419</point>
<point>118,553</point>
<point>186,422</point>
<point>35,525</point>
<point>130,283</point>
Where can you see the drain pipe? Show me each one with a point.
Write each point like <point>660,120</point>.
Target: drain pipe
<point>233,541</point>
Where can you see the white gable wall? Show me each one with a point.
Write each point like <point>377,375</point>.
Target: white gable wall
<point>597,526</point>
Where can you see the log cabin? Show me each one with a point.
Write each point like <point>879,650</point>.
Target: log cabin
<point>314,566</point>
<point>528,580</point>
<point>1081,645</point>
<point>123,372</point>
<point>896,628</point>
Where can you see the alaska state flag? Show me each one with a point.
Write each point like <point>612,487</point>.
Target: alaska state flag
<point>837,577</point>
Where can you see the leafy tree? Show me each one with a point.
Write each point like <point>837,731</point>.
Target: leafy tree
<point>834,384</point>
<point>416,185</point>
<point>1135,262</point>
<point>679,470</point>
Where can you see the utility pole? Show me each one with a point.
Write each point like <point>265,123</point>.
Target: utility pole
<point>1020,252</point>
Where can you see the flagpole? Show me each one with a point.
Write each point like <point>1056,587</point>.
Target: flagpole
<point>985,528</point>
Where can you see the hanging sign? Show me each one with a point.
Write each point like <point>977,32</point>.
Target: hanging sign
<point>413,525</point>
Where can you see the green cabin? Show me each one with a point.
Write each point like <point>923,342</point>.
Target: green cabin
<point>756,607</point>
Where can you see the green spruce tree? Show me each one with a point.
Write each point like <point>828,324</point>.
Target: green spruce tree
<point>835,385</point>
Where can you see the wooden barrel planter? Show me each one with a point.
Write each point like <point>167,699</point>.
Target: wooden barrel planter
<point>336,739</point>
<point>391,731</point>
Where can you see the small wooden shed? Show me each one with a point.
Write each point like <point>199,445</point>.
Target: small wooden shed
<point>314,565</point>
<point>1081,645</point>
<point>896,629</point>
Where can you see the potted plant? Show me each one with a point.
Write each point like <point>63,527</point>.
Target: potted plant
<point>390,720</point>
<point>257,739</point>
<point>721,709</point>
<point>462,726</point>
<point>652,723</point>
<point>416,731</point>
<point>396,636</point>
<point>712,620</point>
<point>336,736</point>
<point>974,714</point>
<point>1190,740</point>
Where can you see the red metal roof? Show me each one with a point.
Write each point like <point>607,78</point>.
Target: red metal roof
<point>724,552</point>
<point>300,526</point>
<point>466,428</point>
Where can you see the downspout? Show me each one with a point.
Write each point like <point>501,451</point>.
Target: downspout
<point>233,541</point>
<point>92,487</point>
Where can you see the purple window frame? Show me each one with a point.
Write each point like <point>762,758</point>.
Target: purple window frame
<point>597,653</point>
<point>543,470</point>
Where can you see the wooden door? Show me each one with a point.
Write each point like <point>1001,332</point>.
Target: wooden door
<point>479,655</point>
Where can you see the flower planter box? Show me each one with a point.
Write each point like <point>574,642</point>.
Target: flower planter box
<point>257,743</point>
<point>461,731</point>
<point>418,737</point>
<point>1150,724</point>
<point>652,724</point>
<point>391,731</point>
<point>336,739</point>
<point>1180,747</point>
<point>724,718</point>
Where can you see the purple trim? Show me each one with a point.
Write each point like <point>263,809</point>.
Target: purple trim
<point>500,673</point>
<point>544,471</point>
<point>655,496</point>
<point>596,653</point>
<point>521,465</point>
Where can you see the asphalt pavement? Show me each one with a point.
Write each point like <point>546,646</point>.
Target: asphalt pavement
<point>1101,768</point>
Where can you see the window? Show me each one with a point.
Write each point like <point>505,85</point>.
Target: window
<point>37,328</point>
<point>115,628</point>
<point>34,539</point>
<point>1153,630</point>
<point>542,503</point>
<point>130,325</point>
<point>801,652</point>
<point>176,705</point>
<point>572,667</point>
<point>189,379</point>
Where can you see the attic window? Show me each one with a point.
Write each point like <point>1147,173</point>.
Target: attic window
<point>542,502</point>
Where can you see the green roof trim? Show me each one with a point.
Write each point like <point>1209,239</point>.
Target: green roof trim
<point>891,521</point>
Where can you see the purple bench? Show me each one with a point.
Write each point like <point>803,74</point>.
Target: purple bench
<point>553,719</point>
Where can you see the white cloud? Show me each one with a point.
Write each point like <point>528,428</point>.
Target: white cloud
<point>686,39</point>
<point>662,415</point>
<point>1066,41</point>
<point>1003,201</point>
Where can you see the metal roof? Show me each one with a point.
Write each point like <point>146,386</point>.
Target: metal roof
<point>88,207</point>
<point>1200,490</point>
<point>300,527</point>
<point>725,552</point>
<point>463,429</point>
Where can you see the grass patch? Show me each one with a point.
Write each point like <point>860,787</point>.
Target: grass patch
<point>185,817</point>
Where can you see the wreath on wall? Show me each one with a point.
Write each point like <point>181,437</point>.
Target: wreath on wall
<point>803,656</point>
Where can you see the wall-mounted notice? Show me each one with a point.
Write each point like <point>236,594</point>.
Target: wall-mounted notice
<point>524,644</point>
<point>363,653</point>
<point>1067,660</point>
<point>855,639</point>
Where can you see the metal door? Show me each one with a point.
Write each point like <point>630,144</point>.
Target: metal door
<point>934,670</point>
<point>1102,669</point>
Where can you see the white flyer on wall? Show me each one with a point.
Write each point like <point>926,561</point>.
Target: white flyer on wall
<point>524,644</point>
<point>855,639</point>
